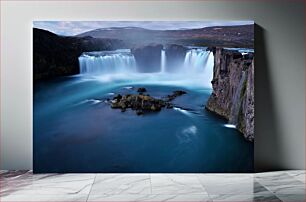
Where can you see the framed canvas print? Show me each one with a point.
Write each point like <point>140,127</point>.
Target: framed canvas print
<point>143,96</point>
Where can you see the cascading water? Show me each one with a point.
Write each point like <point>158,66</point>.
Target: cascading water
<point>196,60</point>
<point>199,61</point>
<point>119,61</point>
<point>196,67</point>
<point>236,102</point>
<point>163,61</point>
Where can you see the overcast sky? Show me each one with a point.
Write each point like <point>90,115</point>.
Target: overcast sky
<point>69,28</point>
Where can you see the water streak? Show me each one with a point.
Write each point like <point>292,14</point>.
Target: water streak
<point>163,61</point>
<point>237,102</point>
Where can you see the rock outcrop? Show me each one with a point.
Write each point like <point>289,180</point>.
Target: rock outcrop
<point>233,89</point>
<point>141,103</point>
<point>148,58</point>
<point>175,56</point>
<point>55,55</point>
<point>174,95</point>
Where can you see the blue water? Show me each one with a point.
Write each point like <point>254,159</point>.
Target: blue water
<point>76,131</point>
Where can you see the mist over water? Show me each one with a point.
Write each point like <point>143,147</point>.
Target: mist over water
<point>196,70</point>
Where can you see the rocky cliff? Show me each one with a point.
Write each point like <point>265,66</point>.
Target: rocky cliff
<point>55,55</point>
<point>175,56</point>
<point>233,89</point>
<point>148,57</point>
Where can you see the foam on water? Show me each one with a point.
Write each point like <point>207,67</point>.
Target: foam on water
<point>229,126</point>
<point>91,101</point>
<point>183,111</point>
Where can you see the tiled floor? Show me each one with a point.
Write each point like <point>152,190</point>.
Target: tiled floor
<point>272,186</point>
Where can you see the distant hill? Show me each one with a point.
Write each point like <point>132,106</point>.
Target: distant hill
<point>55,55</point>
<point>227,36</point>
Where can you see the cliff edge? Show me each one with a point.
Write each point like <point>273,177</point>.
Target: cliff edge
<point>233,89</point>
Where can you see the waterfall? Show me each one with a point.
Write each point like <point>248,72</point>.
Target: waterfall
<point>200,61</point>
<point>104,62</point>
<point>163,61</point>
<point>236,101</point>
<point>196,60</point>
<point>193,68</point>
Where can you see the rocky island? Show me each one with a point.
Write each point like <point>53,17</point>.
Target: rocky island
<point>143,103</point>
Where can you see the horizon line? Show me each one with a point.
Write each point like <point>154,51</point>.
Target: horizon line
<point>74,28</point>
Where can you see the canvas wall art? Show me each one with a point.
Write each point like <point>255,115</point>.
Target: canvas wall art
<point>143,96</point>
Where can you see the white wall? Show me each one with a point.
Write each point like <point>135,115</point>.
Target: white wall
<point>280,62</point>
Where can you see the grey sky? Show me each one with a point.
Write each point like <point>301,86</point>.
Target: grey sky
<point>76,27</point>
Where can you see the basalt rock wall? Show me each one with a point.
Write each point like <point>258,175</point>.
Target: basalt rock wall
<point>233,89</point>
